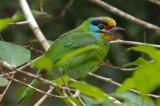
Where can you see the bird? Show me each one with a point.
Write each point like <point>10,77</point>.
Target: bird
<point>81,50</point>
<point>77,52</point>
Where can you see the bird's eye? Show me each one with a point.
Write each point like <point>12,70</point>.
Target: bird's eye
<point>101,26</point>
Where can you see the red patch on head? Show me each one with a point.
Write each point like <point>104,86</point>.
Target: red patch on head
<point>108,27</point>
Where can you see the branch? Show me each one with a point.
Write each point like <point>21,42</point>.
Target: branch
<point>28,85</point>
<point>118,84</point>
<point>67,6</point>
<point>19,23</point>
<point>157,2</point>
<point>14,70</point>
<point>71,101</point>
<point>125,15</point>
<point>4,92</point>
<point>33,24</point>
<point>133,43</point>
<point>44,97</point>
<point>114,100</point>
<point>118,68</point>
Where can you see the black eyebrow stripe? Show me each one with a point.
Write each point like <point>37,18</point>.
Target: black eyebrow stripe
<point>103,23</point>
<point>97,22</point>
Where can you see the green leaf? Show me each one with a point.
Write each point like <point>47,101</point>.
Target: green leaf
<point>62,80</point>
<point>147,77</point>
<point>138,62</point>
<point>14,54</point>
<point>131,99</point>
<point>92,102</point>
<point>4,22</point>
<point>150,51</point>
<point>17,16</point>
<point>3,82</point>
<point>89,90</point>
<point>25,93</point>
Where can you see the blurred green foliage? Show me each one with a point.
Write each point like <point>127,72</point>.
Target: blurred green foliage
<point>146,78</point>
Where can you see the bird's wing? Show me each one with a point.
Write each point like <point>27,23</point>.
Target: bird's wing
<point>79,40</point>
<point>69,42</point>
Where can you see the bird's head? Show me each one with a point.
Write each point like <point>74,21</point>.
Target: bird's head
<point>104,27</point>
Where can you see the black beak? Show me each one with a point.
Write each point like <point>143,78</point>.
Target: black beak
<point>116,30</point>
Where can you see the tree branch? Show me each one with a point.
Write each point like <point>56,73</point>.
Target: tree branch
<point>125,15</point>
<point>118,68</point>
<point>44,97</point>
<point>28,85</point>
<point>118,84</point>
<point>14,70</point>
<point>157,2</point>
<point>119,41</point>
<point>66,7</point>
<point>33,24</point>
<point>4,92</point>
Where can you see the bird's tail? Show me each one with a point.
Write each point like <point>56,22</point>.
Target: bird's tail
<point>25,93</point>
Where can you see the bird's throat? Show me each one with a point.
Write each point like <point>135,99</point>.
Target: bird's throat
<point>106,37</point>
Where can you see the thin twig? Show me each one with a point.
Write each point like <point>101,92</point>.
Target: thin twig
<point>20,23</point>
<point>118,84</point>
<point>67,6</point>
<point>41,6</point>
<point>38,90</point>
<point>157,2</point>
<point>14,70</point>
<point>125,15</point>
<point>72,102</point>
<point>118,68</point>
<point>133,43</point>
<point>33,24</point>
<point>6,89</point>
<point>43,98</point>
<point>114,100</point>
<point>79,98</point>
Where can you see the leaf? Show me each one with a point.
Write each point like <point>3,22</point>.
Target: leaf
<point>17,16</point>
<point>89,90</point>
<point>3,82</point>
<point>138,62</point>
<point>150,51</point>
<point>62,80</point>
<point>131,99</point>
<point>25,93</point>
<point>147,77</point>
<point>4,23</point>
<point>85,89</point>
<point>14,54</point>
<point>92,102</point>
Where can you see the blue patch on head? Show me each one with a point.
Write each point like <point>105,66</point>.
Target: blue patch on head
<point>94,29</point>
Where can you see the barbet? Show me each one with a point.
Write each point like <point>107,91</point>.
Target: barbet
<point>80,50</point>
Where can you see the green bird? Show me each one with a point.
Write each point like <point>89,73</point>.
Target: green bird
<point>80,50</point>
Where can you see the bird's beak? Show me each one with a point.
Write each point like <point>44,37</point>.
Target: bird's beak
<point>116,30</point>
